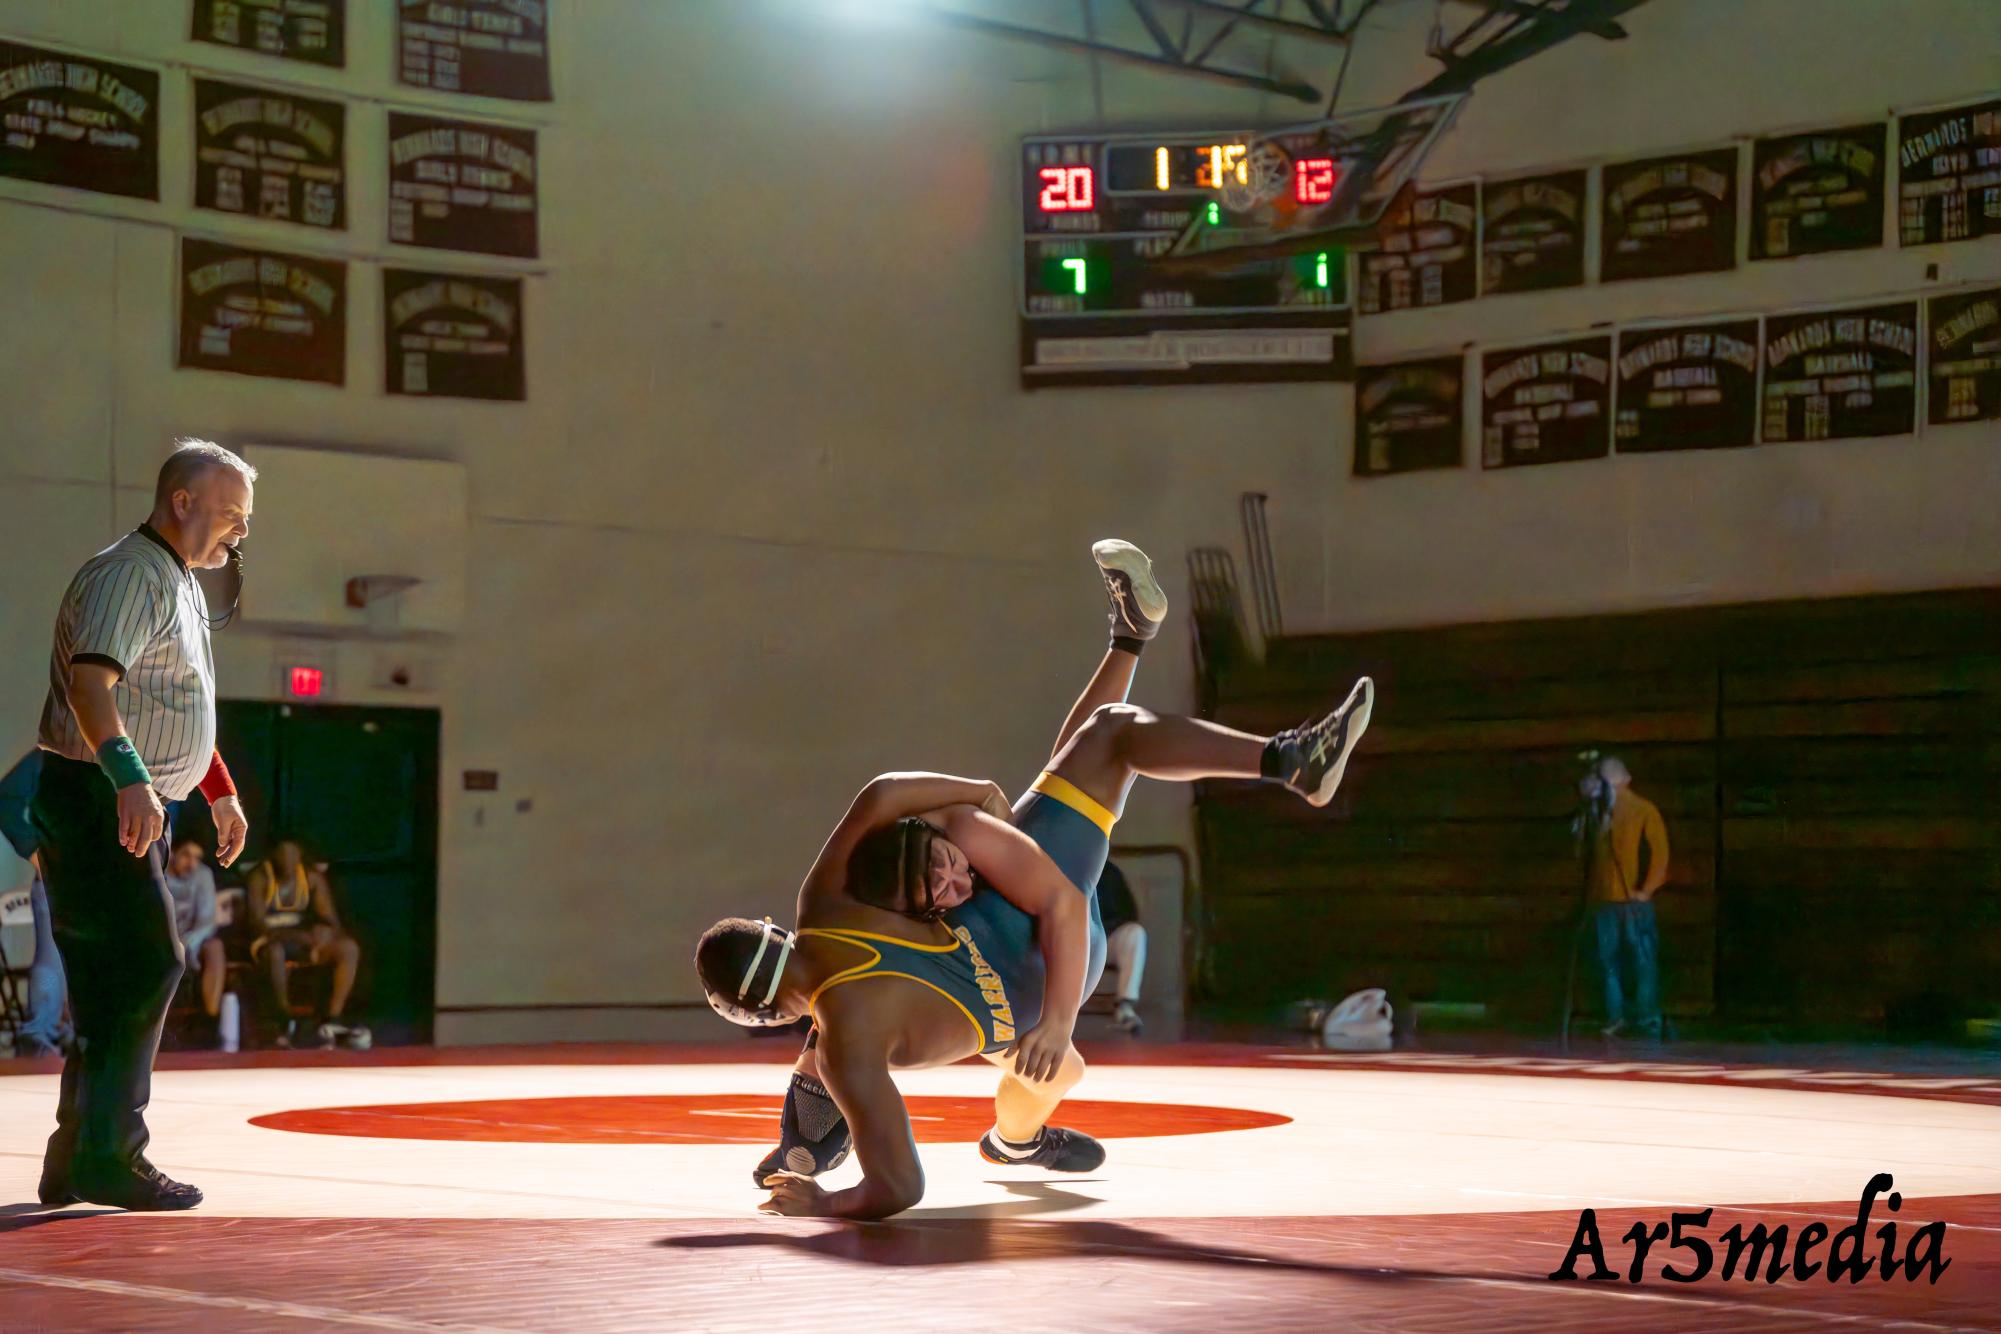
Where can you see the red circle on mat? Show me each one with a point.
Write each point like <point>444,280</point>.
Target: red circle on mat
<point>722,1118</point>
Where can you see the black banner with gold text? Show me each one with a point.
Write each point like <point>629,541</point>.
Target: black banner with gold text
<point>451,335</point>
<point>1949,174</point>
<point>1841,374</point>
<point>78,121</point>
<point>1667,215</point>
<point>488,48</point>
<point>1817,192</point>
<point>1964,329</point>
<point>455,185</point>
<point>1408,415</point>
<point>1550,403</point>
<point>262,312</point>
<point>1532,236</point>
<point>273,155</point>
<point>314,31</point>
<point>1687,386</point>
<point>1426,254</point>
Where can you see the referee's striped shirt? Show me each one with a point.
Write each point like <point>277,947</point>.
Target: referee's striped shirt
<point>136,608</point>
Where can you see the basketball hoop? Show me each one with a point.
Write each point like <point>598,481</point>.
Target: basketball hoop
<point>1370,158</point>
<point>378,595</point>
<point>364,589</point>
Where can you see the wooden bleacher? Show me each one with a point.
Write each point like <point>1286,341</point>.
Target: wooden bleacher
<point>1829,773</point>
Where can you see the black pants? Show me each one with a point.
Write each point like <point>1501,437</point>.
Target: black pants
<point>114,926</point>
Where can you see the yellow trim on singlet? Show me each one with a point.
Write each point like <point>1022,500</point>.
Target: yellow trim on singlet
<point>867,968</point>
<point>1058,788</point>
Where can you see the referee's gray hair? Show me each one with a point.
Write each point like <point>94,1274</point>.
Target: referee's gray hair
<point>1613,770</point>
<point>190,459</point>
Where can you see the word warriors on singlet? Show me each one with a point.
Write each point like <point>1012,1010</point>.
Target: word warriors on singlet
<point>1767,1252</point>
<point>991,987</point>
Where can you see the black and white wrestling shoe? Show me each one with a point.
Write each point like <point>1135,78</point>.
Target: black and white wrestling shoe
<point>1056,1149</point>
<point>1310,759</point>
<point>813,1136</point>
<point>1138,605</point>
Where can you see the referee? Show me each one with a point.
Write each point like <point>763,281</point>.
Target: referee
<point>130,724</point>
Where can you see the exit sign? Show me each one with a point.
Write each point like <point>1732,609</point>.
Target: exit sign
<point>304,682</point>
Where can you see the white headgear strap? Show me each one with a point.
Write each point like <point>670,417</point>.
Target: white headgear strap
<point>764,940</point>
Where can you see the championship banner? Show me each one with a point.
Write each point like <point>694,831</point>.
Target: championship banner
<point>273,155</point>
<point>1668,215</point>
<point>1425,254</point>
<point>1948,181</point>
<point>1964,330</point>
<point>314,31</point>
<point>260,312</point>
<point>1549,403</point>
<point>487,48</point>
<point>1408,415</point>
<point>450,335</point>
<point>1532,233</point>
<point>1841,374</point>
<point>1812,193</point>
<point>454,185</point>
<point>1687,386</point>
<point>79,122</point>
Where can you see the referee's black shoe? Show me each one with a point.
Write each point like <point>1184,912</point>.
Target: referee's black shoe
<point>1137,604</point>
<point>140,1188</point>
<point>55,1188</point>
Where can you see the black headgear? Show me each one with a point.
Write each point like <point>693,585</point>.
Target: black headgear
<point>752,1005</point>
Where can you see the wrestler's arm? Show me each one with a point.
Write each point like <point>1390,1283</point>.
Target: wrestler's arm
<point>1016,866</point>
<point>887,798</point>
<point>854,1065</point>
<point>253,899</point>
<point>323,900</point>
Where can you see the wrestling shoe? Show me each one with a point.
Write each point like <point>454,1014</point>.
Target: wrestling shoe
<point>1126,1016</point>
<point>1311,759</point>
<point>813,1136</point>
<point>1056,1148</point>
<point>354,1037</point>
<point>1138,606</point>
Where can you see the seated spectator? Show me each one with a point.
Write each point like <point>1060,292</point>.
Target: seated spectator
<point>47,1031</point>
<point>193,886</point>
<point>292,918</point>
<point>1125,944</point>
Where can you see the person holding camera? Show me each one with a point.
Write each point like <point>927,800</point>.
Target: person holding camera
<point>1626,851</point>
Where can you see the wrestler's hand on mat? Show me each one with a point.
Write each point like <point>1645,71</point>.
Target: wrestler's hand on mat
<point>996,804</point>
<point>1040,1052</point>
<point>230,828</point>
<point>141,818</point>
<point>794,1196</point>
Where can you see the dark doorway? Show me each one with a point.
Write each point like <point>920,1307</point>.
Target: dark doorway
<point>358,787</point>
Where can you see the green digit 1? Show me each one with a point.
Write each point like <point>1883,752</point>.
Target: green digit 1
<point>1076,267</point>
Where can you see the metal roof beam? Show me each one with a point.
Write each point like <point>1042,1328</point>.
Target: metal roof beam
<point>1299,92</point>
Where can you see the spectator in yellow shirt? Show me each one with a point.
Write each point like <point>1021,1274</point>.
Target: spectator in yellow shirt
<point>1628,851</point>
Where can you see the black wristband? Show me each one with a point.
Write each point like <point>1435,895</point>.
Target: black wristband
<point>1129,645</point>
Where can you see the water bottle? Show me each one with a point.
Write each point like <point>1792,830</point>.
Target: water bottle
<point>232,1015</point>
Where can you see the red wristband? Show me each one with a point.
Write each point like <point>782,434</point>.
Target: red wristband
<point>216,783</point>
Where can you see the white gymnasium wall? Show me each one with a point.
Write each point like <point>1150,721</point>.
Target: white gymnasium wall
<point>775,516</point>
<point>1722,526</point>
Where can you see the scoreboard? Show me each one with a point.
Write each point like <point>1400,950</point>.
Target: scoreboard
<point>1100,219</point>
<point>1203,256</point>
